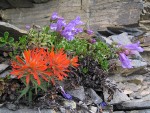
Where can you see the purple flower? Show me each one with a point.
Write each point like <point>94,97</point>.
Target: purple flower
<point>103,104</point>
<point>76,21</point>
<point>92,41</point>
<point>69,30</point>
<point>66,95</point>
<point>28,27</point>
<point>89,32</point>
<point>134,47</point>
<point>58,26</point>
<point>124,60</point>
<point>55,16</point>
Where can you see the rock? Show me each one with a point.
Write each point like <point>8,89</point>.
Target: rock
<point>131,86</point>
<point>139,111</point>
<point>95,13</point>
<point>13,30</point>
<point>145,92</point>
<point>95,98</point>
<point>3,67</point>
<point>63,110</point>
<point>40,1</point>
<point>6,4</point>
<point>104,39</point>
<point>136,79</point>
<point>4,74</point>
<point>134,104</point>
<point>118,112</point>
<point>118,97</point>
<point>27,110</point>
<point>137,65</point>
<point>11,106</point>
<point>69,104</point>
<point>78,93</point>
<point>93,109</point>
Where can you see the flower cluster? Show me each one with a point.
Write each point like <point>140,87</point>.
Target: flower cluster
<point>128,50</point>
<point>69,30</point>
<point>42,64</point>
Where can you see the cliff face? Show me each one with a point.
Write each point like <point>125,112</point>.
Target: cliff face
<point>97,14</point>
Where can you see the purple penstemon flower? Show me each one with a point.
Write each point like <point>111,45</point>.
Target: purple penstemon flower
<point>28,27</point>
<point>69,30</point>
<point>55,16</point>
<point>126,63</point>
<point>89,32</point>
<point>128,50</point>
<point>65,95</point>
<point>134,47</point>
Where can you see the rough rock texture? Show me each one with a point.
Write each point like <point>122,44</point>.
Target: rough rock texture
<point>13,30</point>
<point>95,13</point>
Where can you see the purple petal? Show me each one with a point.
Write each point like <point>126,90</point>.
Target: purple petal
<point>28,27</point>
<point>76,21</point>
<point>53,26</point>
<point>67,96</point>
<point>55,16</point>
<point>135,47</point>
<point>90,32</point>
<point>124,60</point>
<point>103,104</point>
<point>92,41</point>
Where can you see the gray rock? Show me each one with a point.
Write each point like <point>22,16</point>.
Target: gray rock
<point>134,104</point>
<point>27,110</point>
<point>3,67</point>
<point>78,93</point>
<point>4,74</point>
<point>93,109</point>
<point>40,1</point>
<point>69,104</point>
<point>139,111</point>
<point>95,98</point>
<point>13,30</point>
<point>118,97</point>
<point>11,106</point>
<point>118,112</point>
<point>138,65</point>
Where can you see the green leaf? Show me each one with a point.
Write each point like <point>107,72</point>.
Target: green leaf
<point>2,44</point>
<point>6,34</point>
<point>11,39</point>
<point>23,92</point>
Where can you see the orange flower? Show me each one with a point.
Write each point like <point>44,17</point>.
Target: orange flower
<point>74,61</point>
<point>33,65</point>
<point>58,63</point>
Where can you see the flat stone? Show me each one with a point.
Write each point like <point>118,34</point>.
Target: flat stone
<point>27,110</point>
<point>139,111</point>
<point>3,67</point>
<point>118,97</point>
<point>96,99</point>
<point>69,104</point>
<point>134,104</point>
<point>13,30</point>
<point>78,93</point>
<point>118,112</point>
<point>132,86</point>
<point>93,109</point>
<point>4,74</point>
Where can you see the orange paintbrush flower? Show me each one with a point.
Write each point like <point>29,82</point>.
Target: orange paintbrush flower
<point>74,61</point>
<point>58,63</point>
<point>33,64</point>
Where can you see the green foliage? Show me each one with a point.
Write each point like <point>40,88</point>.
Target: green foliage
<point>6,40</point>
